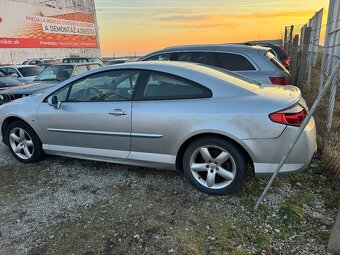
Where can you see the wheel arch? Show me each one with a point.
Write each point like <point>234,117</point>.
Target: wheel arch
<point>8,121</point>
<point>180,153</point>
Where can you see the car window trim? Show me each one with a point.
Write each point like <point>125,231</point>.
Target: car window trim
<point>139,91</point>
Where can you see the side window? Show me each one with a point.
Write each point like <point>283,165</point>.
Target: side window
<point>4,70</point>
<point>206,58</point>
<point>160,57</point>
<point>104,87</point>
<point>80,69</point>
<point>62,93</point>
<point>235,62</point>
<point>12,71</point>
<point>164,86</point>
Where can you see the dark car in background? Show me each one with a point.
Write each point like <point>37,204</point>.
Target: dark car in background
<point>24,73</point>
<point>6,81</point>
<point>279,52</point>
<point>50,77</point>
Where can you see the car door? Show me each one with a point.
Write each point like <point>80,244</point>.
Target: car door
<point>94,118</point>
<point>164,108</point>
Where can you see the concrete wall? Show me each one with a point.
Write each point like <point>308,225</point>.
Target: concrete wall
<point>18,55</point>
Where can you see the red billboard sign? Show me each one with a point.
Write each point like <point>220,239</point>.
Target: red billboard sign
<point>25,25</point>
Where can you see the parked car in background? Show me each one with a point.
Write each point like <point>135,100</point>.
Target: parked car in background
<point>40,61</point>
<point>44,66</point>
<point>171,115</point>
<point>50,77</point>
<point>83,60</point>
<point>279,52</point>
<point>6,81</point>
<point>115,61</point>
<point>254,62</point>
<point>24,73</point>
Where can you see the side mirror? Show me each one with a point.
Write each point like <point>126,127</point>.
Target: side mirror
<point>53,101</point>
<point>14,75</point>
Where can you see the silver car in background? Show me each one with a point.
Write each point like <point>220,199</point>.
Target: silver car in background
<point>24,73</point>
<point>171,115</point>
<point>254,62</point>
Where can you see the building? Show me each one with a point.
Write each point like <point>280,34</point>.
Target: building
<point>47,29</point>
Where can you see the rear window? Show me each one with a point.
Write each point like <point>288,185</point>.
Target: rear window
<point>275,61</point>
<point>279,52</point>
<point>30,71</point>
<point>235,62</point>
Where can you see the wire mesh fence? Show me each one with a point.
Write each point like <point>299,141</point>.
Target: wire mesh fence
<point>312,63</point>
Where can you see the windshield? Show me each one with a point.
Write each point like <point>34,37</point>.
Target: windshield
<point>57,73</point>
<point>30,71</point>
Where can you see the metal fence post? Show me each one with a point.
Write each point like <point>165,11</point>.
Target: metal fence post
<point>299,132</point>
<point>331,104</point>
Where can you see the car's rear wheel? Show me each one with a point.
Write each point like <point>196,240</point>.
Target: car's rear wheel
<point>214,166</point>
<point>24,143</point>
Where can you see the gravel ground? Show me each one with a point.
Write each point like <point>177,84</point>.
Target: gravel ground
<point>67,206</point>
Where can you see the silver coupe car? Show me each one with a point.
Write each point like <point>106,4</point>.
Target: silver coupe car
<point>203,121</point>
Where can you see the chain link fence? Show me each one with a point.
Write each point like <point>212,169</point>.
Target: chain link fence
<point>312,63</point>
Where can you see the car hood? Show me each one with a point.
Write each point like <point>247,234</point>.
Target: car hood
<point>32,88</point>
<point>9,82</point>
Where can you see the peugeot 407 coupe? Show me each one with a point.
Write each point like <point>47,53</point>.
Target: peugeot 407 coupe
<point>203,121</point>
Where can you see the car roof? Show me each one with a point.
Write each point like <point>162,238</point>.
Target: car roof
<point>224,47</point>
<point>237,48</point>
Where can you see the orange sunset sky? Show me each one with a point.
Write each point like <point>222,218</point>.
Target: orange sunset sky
<point>129,27</point>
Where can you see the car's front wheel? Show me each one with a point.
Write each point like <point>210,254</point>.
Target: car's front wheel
<point>24,143</point>
<point>214,166</point>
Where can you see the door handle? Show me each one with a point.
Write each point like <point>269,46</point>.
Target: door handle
<point>118,112</point>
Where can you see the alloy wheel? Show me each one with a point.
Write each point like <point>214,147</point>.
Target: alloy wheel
<point>21,143</point>
<point>213,167</point>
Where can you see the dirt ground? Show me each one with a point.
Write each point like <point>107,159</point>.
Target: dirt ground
<point>67,206</point>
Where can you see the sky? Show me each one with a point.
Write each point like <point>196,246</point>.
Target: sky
<point>129,27</point>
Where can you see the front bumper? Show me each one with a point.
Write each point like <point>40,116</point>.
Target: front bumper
<point>267,153</point>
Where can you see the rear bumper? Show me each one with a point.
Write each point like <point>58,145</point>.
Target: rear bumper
<point>267,153</point>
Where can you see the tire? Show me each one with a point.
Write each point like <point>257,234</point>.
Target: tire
<point>214,166</point>
<point>24,143</point>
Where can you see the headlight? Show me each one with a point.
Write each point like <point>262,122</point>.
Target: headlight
<point>2,97</point>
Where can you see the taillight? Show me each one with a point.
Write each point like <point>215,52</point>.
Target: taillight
<point>279,80</point>
<point>293,116</point>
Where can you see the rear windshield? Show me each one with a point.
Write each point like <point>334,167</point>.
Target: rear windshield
<point>275,61</point>
<point>2,74</point>
<point>30,71</point>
